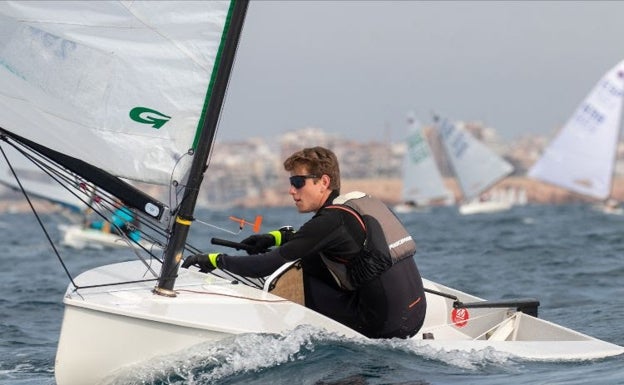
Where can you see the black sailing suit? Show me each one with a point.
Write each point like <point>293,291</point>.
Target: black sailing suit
<point>391,305</point>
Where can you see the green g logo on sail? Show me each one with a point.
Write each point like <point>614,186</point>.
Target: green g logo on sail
<point>148,116</point>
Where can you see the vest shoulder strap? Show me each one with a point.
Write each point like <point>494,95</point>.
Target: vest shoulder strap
<point>351,211</point>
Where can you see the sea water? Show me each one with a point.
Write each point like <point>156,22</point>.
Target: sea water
<point>570,257</point>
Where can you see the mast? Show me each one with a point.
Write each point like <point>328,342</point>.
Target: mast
<point>217,89</point>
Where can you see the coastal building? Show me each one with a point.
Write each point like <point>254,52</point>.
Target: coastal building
<point>250,172</point>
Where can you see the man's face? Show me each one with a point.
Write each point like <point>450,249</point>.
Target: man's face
<point>312,193</point>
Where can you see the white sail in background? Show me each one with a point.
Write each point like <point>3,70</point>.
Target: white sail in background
<point>88,72</point>
<point>476,167</point>
<point>581,158</point>
<point>422,182</point>
<point>40,182</point>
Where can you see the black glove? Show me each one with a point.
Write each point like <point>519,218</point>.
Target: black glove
<point>206,262</point>
<point>258,243</point>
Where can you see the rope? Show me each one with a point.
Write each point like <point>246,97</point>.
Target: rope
<point>219,228</point>
<point>43,228</point>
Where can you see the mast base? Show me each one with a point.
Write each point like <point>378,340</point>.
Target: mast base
<point>164,292</point>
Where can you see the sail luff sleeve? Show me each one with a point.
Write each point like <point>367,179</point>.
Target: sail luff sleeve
<point>209,121</point>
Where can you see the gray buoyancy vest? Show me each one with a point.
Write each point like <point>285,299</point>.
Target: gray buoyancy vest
<point>387,241</point>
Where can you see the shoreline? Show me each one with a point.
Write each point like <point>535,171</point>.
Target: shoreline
<point>388,190</point>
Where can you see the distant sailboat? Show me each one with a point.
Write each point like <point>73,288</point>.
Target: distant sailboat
<point>422,181</point>
<point>476,167</point>
<point>581,158</point>
<point>47,181</point>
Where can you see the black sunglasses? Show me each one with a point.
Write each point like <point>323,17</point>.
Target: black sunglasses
<point>298,181</point>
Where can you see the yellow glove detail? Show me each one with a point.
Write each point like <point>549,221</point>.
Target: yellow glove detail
<point>212,257</point>
<point>278,237</point>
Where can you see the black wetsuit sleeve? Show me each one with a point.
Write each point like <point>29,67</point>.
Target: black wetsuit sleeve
<point>254,266</point>
<point>326,232</point>
<point>321,232</point>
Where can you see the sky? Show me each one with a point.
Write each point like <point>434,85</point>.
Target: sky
<point>358,68</point>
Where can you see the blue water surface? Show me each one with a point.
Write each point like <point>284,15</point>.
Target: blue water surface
<point>570,257</point>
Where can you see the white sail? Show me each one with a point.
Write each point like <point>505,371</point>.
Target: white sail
<point>118,84</point>
<point>581,158</point>
<point>422,182</point>
<point>476,167</point>
<point>40,182</point>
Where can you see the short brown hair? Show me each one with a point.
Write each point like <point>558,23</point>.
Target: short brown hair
<point>318,161</point>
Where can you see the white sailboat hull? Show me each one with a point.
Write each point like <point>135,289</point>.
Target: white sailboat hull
<point>610,210</point>
<point>95,343</point>
<point>402,208</point>
<point>483,207</point>
<point>79,237</point>
<point>137,325</point>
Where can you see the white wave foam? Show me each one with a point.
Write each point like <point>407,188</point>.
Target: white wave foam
<point>208,363</point>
